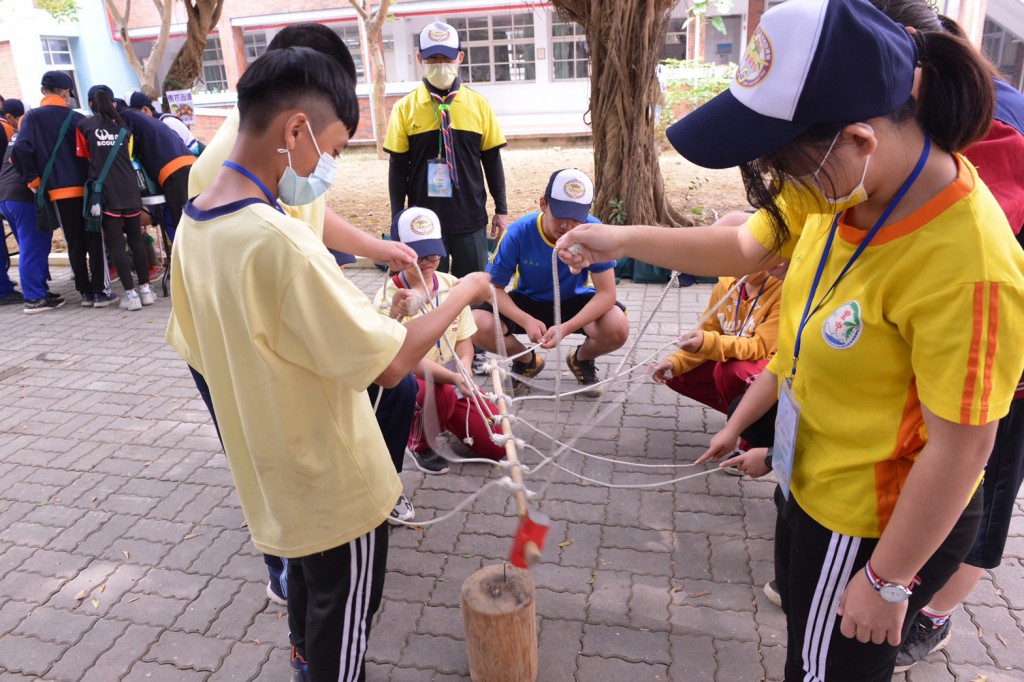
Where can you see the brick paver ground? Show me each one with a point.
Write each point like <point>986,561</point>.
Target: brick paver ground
<point>123,554</point>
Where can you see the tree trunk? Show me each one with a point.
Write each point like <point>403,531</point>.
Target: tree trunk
<point>624,37</point>
<point>372,24</point>
<point>187,67</point>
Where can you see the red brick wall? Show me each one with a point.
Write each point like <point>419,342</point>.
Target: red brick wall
<point>206,126</point>
<point>9,85</point>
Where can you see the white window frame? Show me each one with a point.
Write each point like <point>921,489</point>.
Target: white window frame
<point>213,44</point>
<point>69,68</point>
<point>349,34</point>
<point>473,43</point>
<point>578,40</point>
<point>255,43</point>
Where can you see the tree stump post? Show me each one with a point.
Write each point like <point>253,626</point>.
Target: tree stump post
<point>499,610</point>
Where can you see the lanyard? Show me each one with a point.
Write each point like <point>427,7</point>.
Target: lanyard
<point>440,128</point>
<point>256,181</point>
<point>808,313</point>
<point>753,304</point>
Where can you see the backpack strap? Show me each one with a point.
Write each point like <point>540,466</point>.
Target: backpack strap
<point>45,177</point>
<point>110,157</point>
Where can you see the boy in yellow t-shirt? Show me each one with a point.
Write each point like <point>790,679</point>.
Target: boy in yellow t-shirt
<point>260,309</point>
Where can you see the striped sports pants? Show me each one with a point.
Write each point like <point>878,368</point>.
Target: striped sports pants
<point>813,566</point>
<point>332,598</point>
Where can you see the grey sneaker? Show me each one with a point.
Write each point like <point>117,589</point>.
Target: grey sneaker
<point>41,305</point>
<point>429,462</point>
<point>131,301</point>
<point>102,300</point>
<point>403,511</point>
<point>88,300</point>
<point>146,294</point>
<point>924,639</point>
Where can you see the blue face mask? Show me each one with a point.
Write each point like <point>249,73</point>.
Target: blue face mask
<point>295,190</point>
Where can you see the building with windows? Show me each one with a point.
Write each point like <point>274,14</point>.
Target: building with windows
<point>520,54</point>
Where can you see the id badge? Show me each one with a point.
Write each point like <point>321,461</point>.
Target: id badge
<point>786,423</point>
<point>439,179</point>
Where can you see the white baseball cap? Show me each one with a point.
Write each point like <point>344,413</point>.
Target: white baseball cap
<point>420,230</point>
<point>570,194</point>
<point>439,39</point>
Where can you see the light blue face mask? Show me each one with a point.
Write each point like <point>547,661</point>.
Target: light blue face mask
<point>295,190</point>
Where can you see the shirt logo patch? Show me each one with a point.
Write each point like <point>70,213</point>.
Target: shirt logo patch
<point>575,190</point>
<point>757,60</point>
<point>438,35</point>
<point>843,328</point>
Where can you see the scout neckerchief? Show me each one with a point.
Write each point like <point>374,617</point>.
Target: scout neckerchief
<point>442,110</point>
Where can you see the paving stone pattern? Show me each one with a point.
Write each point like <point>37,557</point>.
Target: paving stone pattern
<point>123,554</point>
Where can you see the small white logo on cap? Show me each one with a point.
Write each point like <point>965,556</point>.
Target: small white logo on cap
<point>757,60</point>
<point>421,225</point>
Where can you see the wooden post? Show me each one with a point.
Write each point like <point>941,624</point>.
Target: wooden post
<point>499,610</point>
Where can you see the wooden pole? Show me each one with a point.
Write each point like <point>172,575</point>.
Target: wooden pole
<point>499,611</point>
<point>531,552</point>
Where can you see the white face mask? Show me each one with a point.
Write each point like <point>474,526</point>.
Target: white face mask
<point>441,76</point>
<point>295,190</point>
<point>856,196</point>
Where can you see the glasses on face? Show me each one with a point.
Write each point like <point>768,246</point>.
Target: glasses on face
<point>433,260</point>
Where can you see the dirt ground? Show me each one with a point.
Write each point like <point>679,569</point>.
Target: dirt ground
<point>360,192</point>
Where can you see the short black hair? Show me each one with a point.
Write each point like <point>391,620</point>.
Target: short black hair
<point>296,77</point>
<point>316,37</point>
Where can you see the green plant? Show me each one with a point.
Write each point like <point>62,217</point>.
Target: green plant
<point>688,84</point>
<point>617,215</point>
<point>61,10</point>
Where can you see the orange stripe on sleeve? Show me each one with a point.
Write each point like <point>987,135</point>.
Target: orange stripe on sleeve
<point>974,356</point>
<point>990,353</point>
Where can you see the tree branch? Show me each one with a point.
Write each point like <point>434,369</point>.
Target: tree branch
<point>360,10</point>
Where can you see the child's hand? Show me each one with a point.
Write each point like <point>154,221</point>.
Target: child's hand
<point>752,462</point>
<point>723,443</point>
<point>554,335</point>
<point>535,330</point>
<point>466,388</point>
<point>478,284</point>
<point>397,255</point>
<point>405,303</point>
<point>691,341</point>
<point>597,244</point>
<point>661,372</point>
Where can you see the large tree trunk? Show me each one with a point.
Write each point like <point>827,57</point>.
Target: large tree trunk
<point>624,37</point>
<point>372,23</point>
<point>187,67</point>
<point>146,73</point>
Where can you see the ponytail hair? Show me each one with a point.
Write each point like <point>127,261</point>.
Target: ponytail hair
<point>102,104</point>
<point>956,99</point>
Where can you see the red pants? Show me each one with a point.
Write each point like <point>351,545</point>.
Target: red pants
<point>717,384</point>
<point>451,417</point>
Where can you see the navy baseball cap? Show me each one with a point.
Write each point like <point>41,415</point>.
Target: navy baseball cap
<point>439,39</point>
<point>139,100</point>
<point>808,62</point>
<point>57,80</point>
<point>569,194</point>
<point>14,107</point>
<point>420,230</point>
<point>96,88</point>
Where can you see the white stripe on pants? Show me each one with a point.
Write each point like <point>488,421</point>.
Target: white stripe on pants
<point>836,571</point>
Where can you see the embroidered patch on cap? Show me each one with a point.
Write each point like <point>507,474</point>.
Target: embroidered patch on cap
<point>575,190</point>
<point>439,35</point>
<point>757,60</point>
<point>421,225</point>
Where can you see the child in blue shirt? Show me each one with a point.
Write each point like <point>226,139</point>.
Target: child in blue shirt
<point>588,303</point>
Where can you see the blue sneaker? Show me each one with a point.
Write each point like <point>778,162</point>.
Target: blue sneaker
<point>300,667</point>
<point>104,299</point>
<point>88,300</point>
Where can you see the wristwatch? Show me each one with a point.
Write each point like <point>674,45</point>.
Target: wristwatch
<point>890,592</point>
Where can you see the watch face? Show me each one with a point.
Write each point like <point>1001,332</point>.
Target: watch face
<point>893,594</point>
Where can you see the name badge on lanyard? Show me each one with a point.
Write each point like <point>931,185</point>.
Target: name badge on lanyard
<point>787,422</point>
<point>439,179</point>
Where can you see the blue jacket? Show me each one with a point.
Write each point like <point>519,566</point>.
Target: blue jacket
<point>36,137</point>
<point>158,148</point>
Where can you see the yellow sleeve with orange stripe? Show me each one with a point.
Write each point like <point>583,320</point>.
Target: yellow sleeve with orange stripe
<point>965,343</point>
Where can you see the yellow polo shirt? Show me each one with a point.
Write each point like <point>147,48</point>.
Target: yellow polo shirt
<point>288,346</point>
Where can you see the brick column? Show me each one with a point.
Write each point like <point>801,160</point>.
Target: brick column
<point>233,49</point>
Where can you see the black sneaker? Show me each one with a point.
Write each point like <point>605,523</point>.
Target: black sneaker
<point>585,372</point>
<point>50,296</point>
<point>102,300</point>
<point>13,298</point>
<point>88,300</point>
<point>429,462</point>
<point>41,305</point>
<point>528,370</point>
<point>924,639</point>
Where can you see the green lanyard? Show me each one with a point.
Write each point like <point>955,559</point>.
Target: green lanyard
<point>440,133</point>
